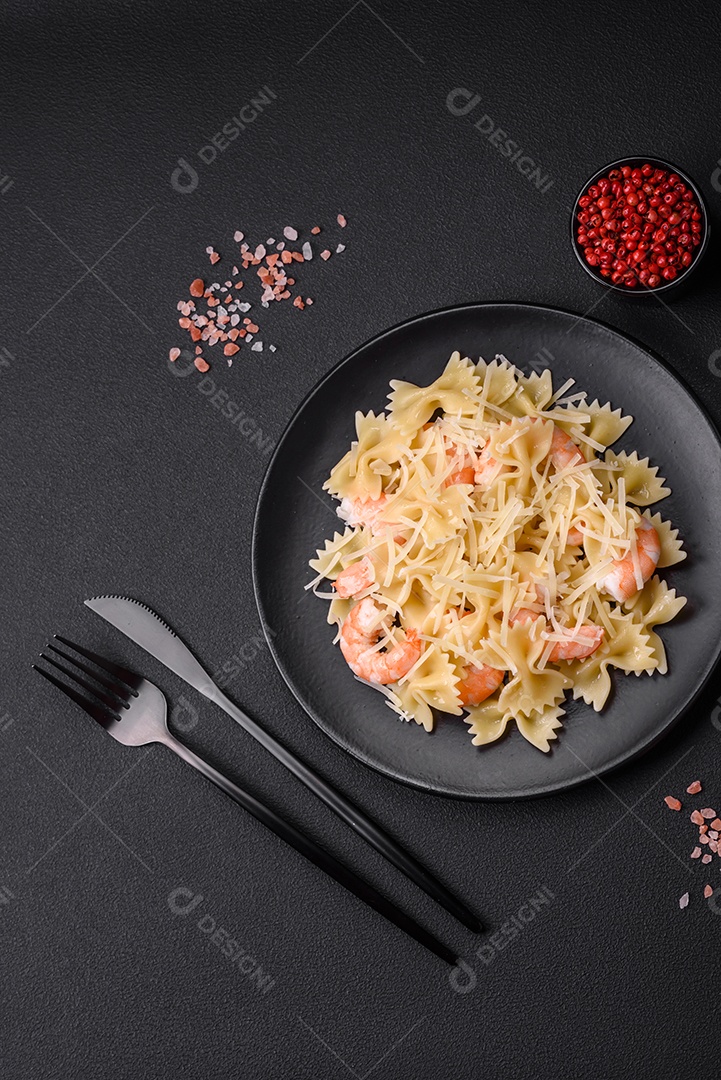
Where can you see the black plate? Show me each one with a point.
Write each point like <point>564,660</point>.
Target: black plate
<point>294,517</point>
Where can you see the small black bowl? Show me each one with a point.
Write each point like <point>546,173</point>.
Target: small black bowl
<point>670,288</point>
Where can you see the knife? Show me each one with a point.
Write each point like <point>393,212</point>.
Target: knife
<point>148,630</point>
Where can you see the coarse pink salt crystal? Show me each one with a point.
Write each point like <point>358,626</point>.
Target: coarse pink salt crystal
<point>707,812</point>
<point>706,858</point>
<point>694,788</point>
<point>708,891</point>
<point>174,354</point>
<point>238,236</point>
<point>697,818</point>
<point>341,221</point>
<point>671,803</point>
<point>201,364</point>
<point>325,254</point>
<point>215,257</point>
<point>315,230</point>
<point>696,852</point>
<point>703,839</point>
<point>683,902</point>
<point>290,233</point>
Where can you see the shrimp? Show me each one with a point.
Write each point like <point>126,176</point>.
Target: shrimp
<point>368,512</point>
<point>465,471</point>
<point>355,578</point>
<point>363,511</point>
<point>358,636</point>
<point>579,645</point>
<point>576,646</point>
<point>478,683</point>
<point>487,466</point>
<point>564,451</point>
<point>621,581</point>
<point>574,537</point>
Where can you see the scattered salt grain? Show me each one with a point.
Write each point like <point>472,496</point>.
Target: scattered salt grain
<point>325,254</point>
<point>671,803</point>
<point>315,230</point>
<point>339,249</point>
<point>697,818</point>
<point>270,240</point>
<point>244,307</point>
<point>708,891</point>
<point>272,348</point>
<point>707,812</point>
<point>259,252</point>
<point>234,320</point>
<point>706,858</point>
<point>694,788</point>
<point>307,251</point>
<point>257,346</point>
<point>174,354</point>
<point>696,852</point>
<point>280,246</point>
<point>238,236</point>
<point>290,233</point>
<point>201,364</point>
<point>683,902</point>
<point>341,221</point>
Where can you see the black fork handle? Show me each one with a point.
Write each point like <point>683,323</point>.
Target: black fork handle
<point>315,854</point>
<point>351,814</point>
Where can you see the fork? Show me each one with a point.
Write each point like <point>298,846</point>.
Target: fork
<point>134,711</point>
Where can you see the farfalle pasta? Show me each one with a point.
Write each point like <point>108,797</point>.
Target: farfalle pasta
<point>496,555</point>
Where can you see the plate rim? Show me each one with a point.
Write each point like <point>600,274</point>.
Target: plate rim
<point>538,791</point>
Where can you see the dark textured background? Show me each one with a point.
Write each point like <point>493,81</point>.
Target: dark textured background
<point>118,476</point>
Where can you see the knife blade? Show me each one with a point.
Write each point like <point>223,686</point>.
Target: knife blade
<point>148,630</point>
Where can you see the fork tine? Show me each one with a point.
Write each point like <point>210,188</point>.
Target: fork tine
<point>101,695</point>
<point>130,679</point>
<point>103,717</point>
<point>117,689</point>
